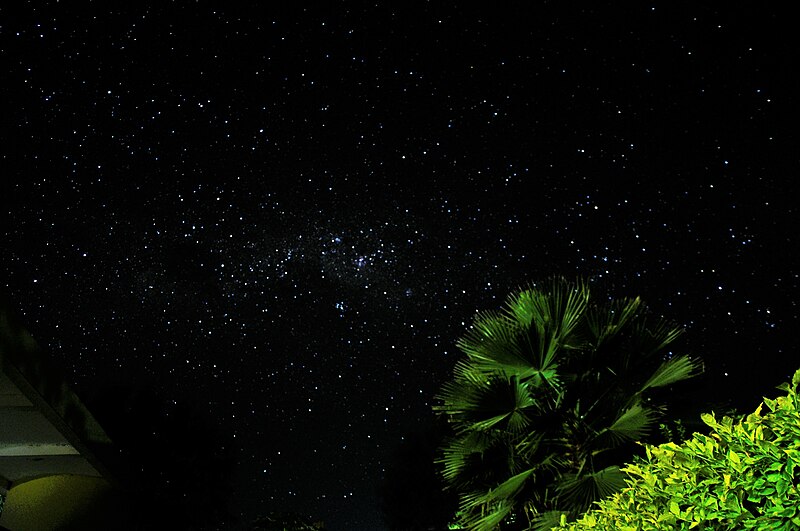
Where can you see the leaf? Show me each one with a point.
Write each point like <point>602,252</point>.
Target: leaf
<point>498,403</point>
<point>605,322</point>
<point>579,491</point>
<point>509,487</point>
<point>458,451</point>
<point>656,335</point>
<point>633,424</point>
<point>547,520</point>
<point>550,314</point>
<point>673,370</point>
<point>493,342</point>
<point>488,516</point>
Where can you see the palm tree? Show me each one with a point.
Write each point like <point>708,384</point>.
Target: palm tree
<point>552,396</point>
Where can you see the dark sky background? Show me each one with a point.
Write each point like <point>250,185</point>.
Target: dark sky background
<point>286,215</point>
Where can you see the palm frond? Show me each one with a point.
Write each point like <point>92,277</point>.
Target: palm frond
<point>673,370</point>
<point>577,492</point>
<point>529,445</point>
<point>482,517</point>
<point>655,335</point>
<point>633,424</point>
<point>459,450</point>
<point>608,320</point>
<point>571,303</point>
<point>510,487</point>
<point>548,379</point>
<point>487,326</point>
<point>459,397</point>
<point>494,343</point>
<point>466,371</point>
<point>550,315</point>
<point>487,509</point>
<point>498,403</point>
<point>546,521</point>
<point>527,335</point>
<point>503,405</point>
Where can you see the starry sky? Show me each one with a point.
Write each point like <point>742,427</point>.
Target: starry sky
<point>286,214</point>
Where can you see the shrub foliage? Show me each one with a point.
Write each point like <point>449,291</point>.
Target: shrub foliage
<point>744,475</point>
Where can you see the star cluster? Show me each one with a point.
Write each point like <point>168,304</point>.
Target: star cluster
<point>288,215</point>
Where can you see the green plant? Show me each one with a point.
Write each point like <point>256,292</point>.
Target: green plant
<point>549,400</point>
<point>744,475</point>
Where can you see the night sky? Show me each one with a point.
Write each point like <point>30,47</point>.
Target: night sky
<point>285,216</point>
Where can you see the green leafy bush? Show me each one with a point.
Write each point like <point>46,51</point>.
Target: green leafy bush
<point>744,475</point>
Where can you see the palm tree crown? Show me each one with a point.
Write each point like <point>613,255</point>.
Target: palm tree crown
<point>551,396</point>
